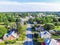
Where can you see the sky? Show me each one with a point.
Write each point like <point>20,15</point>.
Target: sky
<point>29,5</point>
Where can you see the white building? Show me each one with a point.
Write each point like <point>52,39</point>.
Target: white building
<point>44,34</point>
<point>50,42</point>
<point>41,15</point>
<point>12,35</point>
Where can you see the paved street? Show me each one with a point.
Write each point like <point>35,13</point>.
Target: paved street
<point>29,40</point>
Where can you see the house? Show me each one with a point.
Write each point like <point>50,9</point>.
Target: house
<point>43,43</point>
<point>39,28</point>
<point>22,20</point>
<point>50,41</point>
<point>41,15</point>
<point>32,17</point>
<point>10,35</point>
<point>58,41</point>
<point>52,31</point>
<point>35,23</point>
<point>44,34</point>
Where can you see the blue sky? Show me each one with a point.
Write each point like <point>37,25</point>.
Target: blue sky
<point>29,5</point>
<point>38,0</point>
<point>33,0</point>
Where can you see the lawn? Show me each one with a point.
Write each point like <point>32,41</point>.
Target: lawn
<point>55,37</point>
<point>2,44</point>
<point>17,43</point>
<point>22,33</point>
<point>24,27</point>
<point>57,28</point>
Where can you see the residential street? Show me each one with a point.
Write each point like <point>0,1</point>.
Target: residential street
<point>29,40</point>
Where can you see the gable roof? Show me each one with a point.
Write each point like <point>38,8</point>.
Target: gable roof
<point>45,34</point>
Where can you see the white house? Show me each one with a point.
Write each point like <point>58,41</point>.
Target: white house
<point>24,19</point>
<point>39,28</point>
<point>52,31</point>
<point>11,35</point>
<point>35,23</point>
<point>50,41</point>
<point>44,34</point>
<point>41,15</point>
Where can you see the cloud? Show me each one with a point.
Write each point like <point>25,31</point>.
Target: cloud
<point>7,6</point>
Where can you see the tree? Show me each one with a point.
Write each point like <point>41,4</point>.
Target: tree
<point>57,24</point>
<point>55,19</point>
<point>31,20</point>
<point>3,30</point>
<point>6,22</point>
<point>35,35</point>
<point>38,20</point>
<point>19,28</point>
<point>25,22</point>
<point>48,19</point>
<point>44,20</point>
<point>59,19</point>
<point>12,18</point>
<point>49,26</point>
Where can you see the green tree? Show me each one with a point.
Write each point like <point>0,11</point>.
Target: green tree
<point>31,20</point>
<point>19,28</point>
<point>57,24</point>
<point>6,22</point>
<point>48,19</point>
<point>55,19</point>
<point>49,26</point>
<point>25,22</point>
<point>12,18</point>
<point>38,20</point>
<point>44,20</point>
<point>3,30</point>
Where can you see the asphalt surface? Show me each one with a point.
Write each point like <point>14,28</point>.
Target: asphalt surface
<point>29,40</point>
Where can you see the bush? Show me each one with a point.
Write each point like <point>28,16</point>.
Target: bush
<point>35,35</point>
<point>10,42</point>
<point>33,27</point>
<point>49,26</point>
<point>58,32</point>
<point>21,37</point>
<point>57,23</point>
<point>25,23</point>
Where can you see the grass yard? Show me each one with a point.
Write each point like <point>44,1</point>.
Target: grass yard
<point>24,27</point>
<point>1,23</point>
<point>55,37</point>
<point>22,33</point>
<point>57,28</point>
<point>17,43</point>
<point>2,44</point>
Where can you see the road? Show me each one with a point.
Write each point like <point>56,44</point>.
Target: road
<point>29,40</point>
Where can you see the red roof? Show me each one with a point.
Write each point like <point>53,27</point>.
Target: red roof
<point>58,43</point>
<point>43,43</point>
